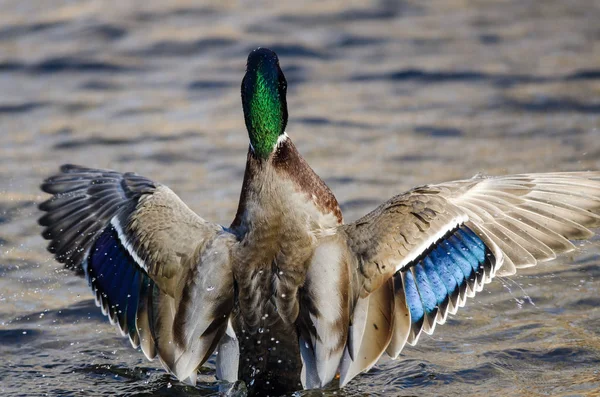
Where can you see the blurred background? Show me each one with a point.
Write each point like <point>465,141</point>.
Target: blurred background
<point>383,96</point>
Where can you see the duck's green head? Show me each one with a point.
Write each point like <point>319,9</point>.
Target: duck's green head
<point>263,99</point>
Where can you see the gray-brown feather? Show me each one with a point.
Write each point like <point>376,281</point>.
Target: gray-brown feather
<point>276,223</point>
<point>521,219</point>
<point>153,235</point>
<point>83,202</point>
<point>283,207</point>
<point>391,231</point>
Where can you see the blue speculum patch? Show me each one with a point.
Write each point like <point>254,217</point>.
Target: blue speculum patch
<point>413,301</point>
<point>443,273</point>
<point>115,276</point>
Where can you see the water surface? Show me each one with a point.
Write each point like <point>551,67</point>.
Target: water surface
<point>383,96</point>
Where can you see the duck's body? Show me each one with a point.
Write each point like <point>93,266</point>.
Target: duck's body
<point>278,223</point>
<point>284,208</point>
<point>288,296</point>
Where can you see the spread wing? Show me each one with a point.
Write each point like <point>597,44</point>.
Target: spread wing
<point>377,283</point>
<point>158,270</point>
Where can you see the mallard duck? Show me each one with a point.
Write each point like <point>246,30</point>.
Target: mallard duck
<point>289,296</point>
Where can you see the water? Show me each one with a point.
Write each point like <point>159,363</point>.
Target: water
<point>382,97</point>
